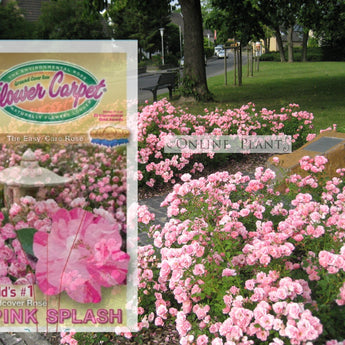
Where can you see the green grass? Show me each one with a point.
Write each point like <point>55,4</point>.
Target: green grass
<point>318,87</point>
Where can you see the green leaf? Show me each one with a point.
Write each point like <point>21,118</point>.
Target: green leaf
<point>26,239</point>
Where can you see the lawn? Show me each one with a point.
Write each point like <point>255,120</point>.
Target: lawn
<point>318,87</point>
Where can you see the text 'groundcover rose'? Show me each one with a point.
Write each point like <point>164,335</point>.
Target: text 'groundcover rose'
<point>80,255</point>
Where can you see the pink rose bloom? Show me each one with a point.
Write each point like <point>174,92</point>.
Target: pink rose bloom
<point>294,310</point>
<point>277,341</point>
<point>202,340</point>
<point>183,326</point>
<point>310,136</point>
<point>5,281</point>
<point>14,210</point>
<point>217,341</point>
<point>80,255</point>
<point>7,231</point>
<point>227,272</point>
<point>173,311</point>
<point>162,311</point>
<point>199,269</point>
<point>159,321</point>
<point>186,177</point>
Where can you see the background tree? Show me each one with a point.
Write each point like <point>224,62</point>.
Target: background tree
<point>328,25</point>
<point>307,15</point>
<point>194,81</point>
<point>13,25</point>
<point>140,20</point>
<point>97,5</point>
<point>278,15</point>
<point>172,42</point>
<point>237,19</point>
<point>268,33</point>
<point>64,19</point>
<point>217,19</point>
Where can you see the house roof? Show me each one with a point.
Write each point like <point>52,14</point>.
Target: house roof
<point>31,8</point>
<point>296,36</point>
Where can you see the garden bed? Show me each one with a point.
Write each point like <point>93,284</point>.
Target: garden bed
<point>236,262</point>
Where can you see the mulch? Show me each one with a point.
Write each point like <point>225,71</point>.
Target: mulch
<point>244,163</point>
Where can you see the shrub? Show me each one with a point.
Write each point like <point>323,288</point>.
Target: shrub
<point>313,54</point>
<point>209,52</point>
<point>171,60</point>
<point>237,263</point>
<point>270,56</point>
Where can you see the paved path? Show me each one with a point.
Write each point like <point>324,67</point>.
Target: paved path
<point>154,205</point>
<point>160,212</point>
<point>22,339</point>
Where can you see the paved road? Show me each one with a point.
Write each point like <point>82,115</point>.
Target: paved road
<point>214,67</point>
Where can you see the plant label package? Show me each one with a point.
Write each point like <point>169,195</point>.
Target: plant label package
<point>68,191</point>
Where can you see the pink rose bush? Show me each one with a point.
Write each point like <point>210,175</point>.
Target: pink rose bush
<point>15,266</point>
<point>98,173</point>
<point>159,120</point>
<point>239,263</point>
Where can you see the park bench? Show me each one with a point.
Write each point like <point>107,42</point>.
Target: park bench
<point>166,80</point>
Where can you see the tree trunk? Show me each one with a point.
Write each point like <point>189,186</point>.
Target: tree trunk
<point>305,45</point>
<point>280,45</point>
<point>290,44</point>
<point>194,81</point>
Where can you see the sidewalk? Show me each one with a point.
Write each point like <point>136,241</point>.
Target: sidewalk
<point>160,212</point>
<point>22,339</point>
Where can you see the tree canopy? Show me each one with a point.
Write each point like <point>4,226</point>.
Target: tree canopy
<point>140,20</point>
<point>65,19</point>
<point>328,24</point>
<point>13,25</point>
<point>236,19</point>
<point>249,19</point>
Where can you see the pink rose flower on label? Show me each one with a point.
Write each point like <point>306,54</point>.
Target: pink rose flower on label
<point>80,255</point>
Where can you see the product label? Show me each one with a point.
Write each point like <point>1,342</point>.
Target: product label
<point>67,184</point>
